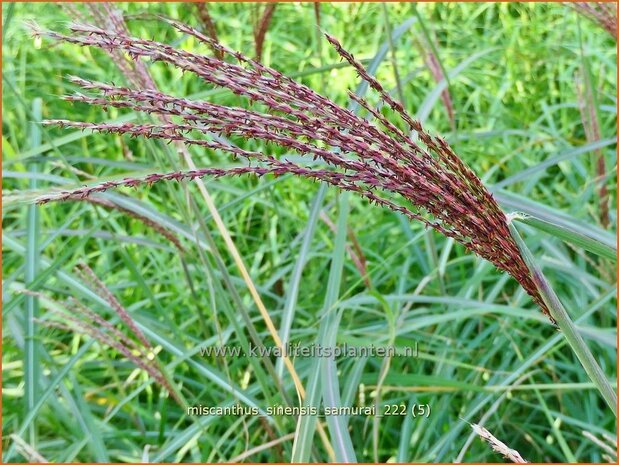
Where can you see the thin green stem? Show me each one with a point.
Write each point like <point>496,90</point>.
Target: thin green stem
<point>32,370</point>
<point>566,325</point>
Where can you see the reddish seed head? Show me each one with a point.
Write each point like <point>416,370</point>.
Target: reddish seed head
<point>424,181</point>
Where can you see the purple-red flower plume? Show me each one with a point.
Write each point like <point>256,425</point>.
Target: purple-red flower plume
<point>404,169</point>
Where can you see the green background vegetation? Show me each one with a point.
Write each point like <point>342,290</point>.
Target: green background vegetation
<point>486,351</point>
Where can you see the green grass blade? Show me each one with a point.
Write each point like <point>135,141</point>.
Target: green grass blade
<point>306,425</point>
<point>32,368</point>
<point>405,436</point>
<point>430,41</point>
<point>338,425</point>
<point>392,51</point>
<point>428,104</point>
<point>92,433</point>
<point>531,360</point>
<point>564,156</point>
<point>295,280</point>
<point>7,21</point>
<point>45,394</point>
<point>588,243</point>
<point>565,448</point>
<point>362,88</point>
<point>515,202</point>
<point>566,325</point>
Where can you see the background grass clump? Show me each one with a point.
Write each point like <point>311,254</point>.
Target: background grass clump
<point>486,353</point>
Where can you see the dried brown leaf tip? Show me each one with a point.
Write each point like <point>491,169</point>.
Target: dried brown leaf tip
<point>393,162</point>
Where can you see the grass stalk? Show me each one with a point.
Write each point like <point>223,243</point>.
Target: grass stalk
<point>338,425</point>
<point>566,325</point>
<point>31,358</point>
<point>295,280</point>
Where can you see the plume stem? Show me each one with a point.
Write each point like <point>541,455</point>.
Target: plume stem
<point>566,325</point>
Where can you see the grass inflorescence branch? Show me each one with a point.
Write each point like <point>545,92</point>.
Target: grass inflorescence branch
<point>400,166</point>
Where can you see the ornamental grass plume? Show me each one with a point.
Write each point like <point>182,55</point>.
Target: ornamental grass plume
<point>77,317</point>
<point>499,447</point>
<point>428,46</point>
<point>107,16</point>
<point>149,223</point>
<point>261,27</point>
<point>602,13</point>
<point>209,26</point>
<point>404,169</point>
<point>591,125</point>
